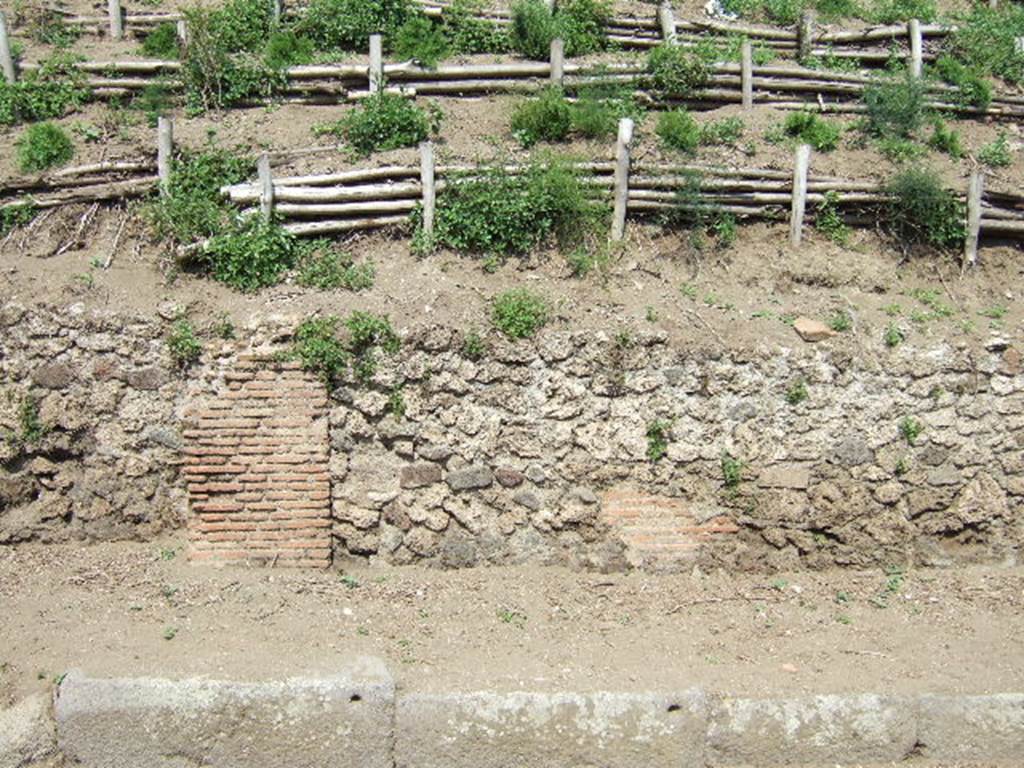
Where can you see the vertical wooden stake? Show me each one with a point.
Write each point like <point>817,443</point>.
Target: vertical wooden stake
<point>993,4</point>
<point>799,204</point>
<point>557,61</point>
<point>427,182</point>
<point>805,35</point>
<point>916,47</point>
<point>164,150</point>
<point>667,21</point>
<point>550,4</point>
<point>975,189</point>
<point>6,59</point>
<point>621,178</point>
<point>277,9</point>
<point>266,186</point>
<point>376,63</point>
<point>747,74</point>
<point>116,19</point>
<point>182,28</point>
<point>1020,45</point>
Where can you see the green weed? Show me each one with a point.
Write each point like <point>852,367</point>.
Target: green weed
<point>519,313</point>
<point>43,146</point>
<point>385,121</point>
<point>659,433</point>
<point>183,344</point>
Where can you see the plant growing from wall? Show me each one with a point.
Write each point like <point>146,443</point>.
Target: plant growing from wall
<point>369,334</point>
<point>473,345</point>
<point>659,433</point>
<point>317,347</point>
<point>30,427</point>
<point>519,313</point>
<point>732,471</point>
<point>797,392</point>
<point>183,344</point>
<point>910,429</point>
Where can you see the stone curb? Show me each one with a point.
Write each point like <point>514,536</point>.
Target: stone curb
<point>356,718</point>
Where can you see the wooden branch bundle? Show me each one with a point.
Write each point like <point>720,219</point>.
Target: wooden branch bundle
<point>116,190</point>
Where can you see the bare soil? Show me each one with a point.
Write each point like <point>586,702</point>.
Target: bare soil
<point>142,609</point>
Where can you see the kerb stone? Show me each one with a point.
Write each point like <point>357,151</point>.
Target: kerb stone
<point>550,730</point>
<point>341,721</point>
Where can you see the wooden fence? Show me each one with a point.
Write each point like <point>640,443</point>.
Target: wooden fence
<point>871,46</point>
<point>372,198</point>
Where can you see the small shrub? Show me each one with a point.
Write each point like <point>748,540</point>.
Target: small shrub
<point>946,139</point>
<point>923,211</point>
<point>725,131</point>
<point>519,313</point>
<point>678,130</point>
<point>47,26</point>
<point>599,108</point>
<point>420,39</point>
<point>16,215</point>
<point>255,254</point>
<point>330,270</point>
<point>396,404</point>
<point>43,146</point>
<point>674,73</point>
<point>30,427</point>
<point>546,118</point>
<point>809,128</point>
<point>996,154</point>
<point>900,150</point>
<point>985,40</point>
<point>895,106</point>
<point>840,321</point>
<point>658,435</point>
<point>797,392</point>
<point>183,344</point>
<point>973,89</point>
<point>161,42</point>
<point>732,471</point>
<point>348,24</point>
<point>910,429</point>
<point>894,11</point>
<point>45,93</point>
<point>829,221</point>
<point>467,33</point>
<point>580,24</point>
<point>533,29</point>
<point>287,49</point>
<point>193,208</point>
<point>385,121</point>
<point>319,350</point>
<point>495,212</point>
<point>893,336</point>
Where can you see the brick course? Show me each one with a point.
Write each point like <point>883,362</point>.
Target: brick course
<point>256,464</point>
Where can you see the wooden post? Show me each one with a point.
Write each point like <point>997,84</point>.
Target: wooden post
<point>182,28</point>
<point>805,35</point>
<point>916,47</point>
<point>427,181</point>
<point>1020,46</point>
<point>6,59</point>
<point>667,21</point>
<point>376,64</point>
<point>277,9</point>
<point>164,150</point>
<point>975,189</point>
<point>747,74</point>
<point>621,178</point>
<point>557,61</point>
<point>799,203</point>
<point>266,186</point>
<point>116,19</point>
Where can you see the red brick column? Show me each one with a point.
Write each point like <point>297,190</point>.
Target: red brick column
<point>256,462</point>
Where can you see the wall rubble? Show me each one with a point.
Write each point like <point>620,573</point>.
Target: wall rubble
<point>538,451</point>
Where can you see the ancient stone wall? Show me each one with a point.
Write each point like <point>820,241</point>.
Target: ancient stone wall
<point>539,451</point>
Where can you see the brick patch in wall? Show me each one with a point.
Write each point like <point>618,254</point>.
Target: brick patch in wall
<point>256,464</point>
<point>660,531</point>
